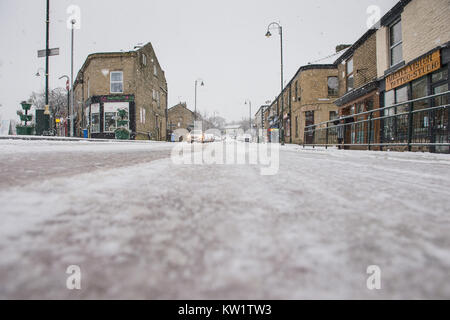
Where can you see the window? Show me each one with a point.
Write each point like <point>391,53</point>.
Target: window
<point>95,118</point>
<point>116,82</point>
<point>396,43</point>
<point>333,115</point>
<point>142,115</point>
<point>155,70</point>
<point>296,90</point>
<point>350,75</point>
<point>333,86</point>
<point>296,127</point>
<point>396,128</point>
<point>144,59</point>
<point>111,116</point>
<point>110,122</point>
<point>440,75</point>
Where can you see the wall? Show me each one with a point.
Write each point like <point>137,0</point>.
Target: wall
<point>426,25</point>
<point>146,81</point>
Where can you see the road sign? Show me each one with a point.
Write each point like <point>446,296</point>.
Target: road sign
<point>52,52</point>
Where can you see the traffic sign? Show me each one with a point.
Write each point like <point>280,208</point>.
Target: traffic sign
<point>52,52</point>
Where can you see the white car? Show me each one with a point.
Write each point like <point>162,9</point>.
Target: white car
<point>245,138</point>
<point>196,136</point>
<point>209,137</point>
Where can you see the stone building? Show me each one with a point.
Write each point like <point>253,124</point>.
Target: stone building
<point>260,123</point>
<point>309,100</point>
<point>359,92</point>
<point>131,80</point>
<point>180,117</point>
<point>404,57</point>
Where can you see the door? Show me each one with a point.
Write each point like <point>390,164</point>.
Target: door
<point>309,121</point>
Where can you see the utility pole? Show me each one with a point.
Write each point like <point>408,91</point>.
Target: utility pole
<point>72,131</point>
<point>47,53</point>
<point>282,88</point>
<point>268,35</point>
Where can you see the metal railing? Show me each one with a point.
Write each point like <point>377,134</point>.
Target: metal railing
<point>404,126</point>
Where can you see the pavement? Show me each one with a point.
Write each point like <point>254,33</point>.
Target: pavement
<point>140,226</point>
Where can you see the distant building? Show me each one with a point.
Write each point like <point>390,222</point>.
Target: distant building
<point>180,117</point>
<point>131,80</point>
<point>261,122</point>
<point>232,130</point>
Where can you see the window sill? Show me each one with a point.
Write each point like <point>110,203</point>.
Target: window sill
<point>395,67</point>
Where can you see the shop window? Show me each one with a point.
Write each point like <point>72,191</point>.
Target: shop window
<point>350,75</point>
<point>440,75</point>
<point>396,127</point>
<point>420,90</point>
<point>116,82</point>
<point>442,100</point>
<point>95,121</point>
<point>110,122</point>
<point>396,43</point>
<point>333,86</point>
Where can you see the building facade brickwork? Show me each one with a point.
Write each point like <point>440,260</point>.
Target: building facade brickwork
<point>180,117</point>
<point>133,80</point>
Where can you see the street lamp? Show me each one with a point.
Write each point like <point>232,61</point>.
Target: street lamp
<point>274,25</point>
<point>202,84</point>
<point>68,99</point>
<point>249,103</point>
<point>38,73</point>
<point>71,77</point>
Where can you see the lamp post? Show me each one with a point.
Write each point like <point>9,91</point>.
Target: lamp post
<point>268,35</point>
<point>47,49</point>
<point>202,83</point>
<point>68,100</point>
<point>249,103</point>
<point>72,82</point>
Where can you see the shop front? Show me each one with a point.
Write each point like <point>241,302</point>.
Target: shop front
<point>101,115</point>
<point>358,130</point>
<point>421,124</point>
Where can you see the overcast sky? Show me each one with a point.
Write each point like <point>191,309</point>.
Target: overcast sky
<point>221,42</point>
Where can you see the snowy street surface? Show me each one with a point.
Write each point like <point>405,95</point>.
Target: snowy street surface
<point>142,227</point>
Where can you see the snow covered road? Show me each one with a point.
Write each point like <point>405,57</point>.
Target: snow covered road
<point>140,226</point>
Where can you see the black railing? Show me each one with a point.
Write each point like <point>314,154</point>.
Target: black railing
<point>402,126</point>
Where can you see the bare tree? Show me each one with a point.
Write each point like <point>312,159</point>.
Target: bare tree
<point>57,101</point>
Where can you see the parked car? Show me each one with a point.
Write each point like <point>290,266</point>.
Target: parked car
<point>196,136</point>
<point>209,137</point>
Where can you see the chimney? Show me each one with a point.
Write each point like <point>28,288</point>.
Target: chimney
<point>341,47</point>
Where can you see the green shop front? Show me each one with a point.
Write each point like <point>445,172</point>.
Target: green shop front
<point>101,116</point>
